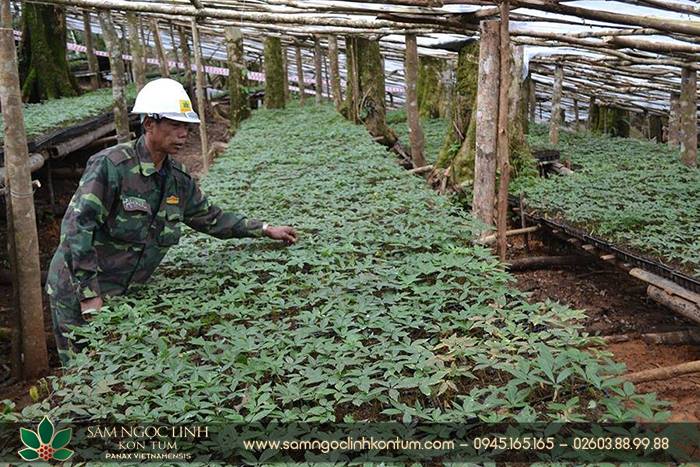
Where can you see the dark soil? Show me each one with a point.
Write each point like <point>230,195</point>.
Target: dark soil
<point>49,226</point>
<point>615,303</point>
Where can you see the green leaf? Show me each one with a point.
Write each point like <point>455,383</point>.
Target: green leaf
<point>45,430</point>
<point>28,454</point>
<point>61,438</point>
<point>29,438</point>
<point>62,454</point>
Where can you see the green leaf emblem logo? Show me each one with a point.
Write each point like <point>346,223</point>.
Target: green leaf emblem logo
<point>46,443</point>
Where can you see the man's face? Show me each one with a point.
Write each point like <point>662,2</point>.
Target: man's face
<point>168,136</point>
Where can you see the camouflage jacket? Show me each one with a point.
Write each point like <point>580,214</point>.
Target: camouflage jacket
<point>125,215</point>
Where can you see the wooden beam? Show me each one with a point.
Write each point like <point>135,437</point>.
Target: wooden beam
<point>486,123</point>
<point>503,130</point>
<point>201,99</point>
<point>415,131</point>
<point>20,207</point>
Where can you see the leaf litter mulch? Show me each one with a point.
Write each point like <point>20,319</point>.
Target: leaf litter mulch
<point>383,311</point>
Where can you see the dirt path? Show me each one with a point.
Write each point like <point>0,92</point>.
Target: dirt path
<point>615,304</point>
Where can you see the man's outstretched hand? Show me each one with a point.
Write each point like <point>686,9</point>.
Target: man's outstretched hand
<point>90,306</point>
<point>284,233</point>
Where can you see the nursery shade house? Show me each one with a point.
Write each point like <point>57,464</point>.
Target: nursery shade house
<point>426,151</point>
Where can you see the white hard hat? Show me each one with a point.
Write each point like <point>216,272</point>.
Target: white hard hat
<point>165,98</point>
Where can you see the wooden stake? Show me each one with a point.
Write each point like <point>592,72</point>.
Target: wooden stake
<point>486,123</point>
<point>20,204</point>
<point>201,100</point>
<point>334,71</point>
<point>689,119</point>
<point>300,75</point>
<point>555,119</point>
<point>503,131</point>
<point>415,131</point>
<point>116,64</point>
<point>91,57</point>
<point>162,58</point>
<point>139,61</point>
<point>674,121</point>
<point>318,72</point>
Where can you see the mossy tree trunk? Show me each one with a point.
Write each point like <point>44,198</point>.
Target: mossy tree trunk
<point>43,66</point>
<point>285,72</point>
<point>429,83</point>
<point>139,63</point>
<point>593,114</point>
<point>349,108</point>
<point>116,65</point>
<point>239,109</point>
<point>372,107</point>
<point>555,117</point>
<point>300,75</point>
<point>689,117</point>
<point>93,67</point>
<point>186,61</point>
<point>415,131</point>
<point>463,102</point>
<point>274,71</point>
<point>613,121</point>
<point>318,72</point>
<point>674,121</point>
<point>521,160</point>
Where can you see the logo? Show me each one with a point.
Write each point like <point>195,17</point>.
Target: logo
<point>172,200</point>
<point>46,443</point>
<point>185,106</point>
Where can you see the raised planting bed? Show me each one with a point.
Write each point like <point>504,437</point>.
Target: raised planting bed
<point>633,193</point>
<point>384,310</point>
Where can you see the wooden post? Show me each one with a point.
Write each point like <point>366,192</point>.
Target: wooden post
<point>238,109</point>
<point>126,50</point>
<point>201,101</point>
<point>162,58</point>
<point>415,132</point>
<point>334,71</point>
<point>576,114</point>
<point>139,64</point>
<point>20,199</point>
<point>91,57</point>
<point>674,121</point>
<point>487,123</point>
<point>285,66</point>
<point>325,75</point>
<point>174,48</point>
<point>185,48</point>
<point>555,116</point>
<point>116,65</point>
<point>503,131</point>
<point>318,70</point>
<point>532,95</point>
<point>689,117</point>
<point>300,75</point>
<point>590,118</point>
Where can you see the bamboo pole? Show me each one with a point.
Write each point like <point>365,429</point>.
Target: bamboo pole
<point>532,97</point>
<point>688,111</point>
<point>201,100</point>
<point>555,116</point>
<point>300,75</point>
<point>318,70</point>
<point>486,123</point>
<point>20,199</point>
<point>674,121</point>
<point>503,131</point>
<point>90,52</point>
<point>415,132</point>
<point>116,65</point>
<point>334,71</point>
<point>139,63</point>
<point>162,58</point>
<point>186,62</point>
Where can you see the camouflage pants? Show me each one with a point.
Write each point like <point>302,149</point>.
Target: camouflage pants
<point>65,308</point>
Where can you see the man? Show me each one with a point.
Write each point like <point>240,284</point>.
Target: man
<point>127,210</point>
